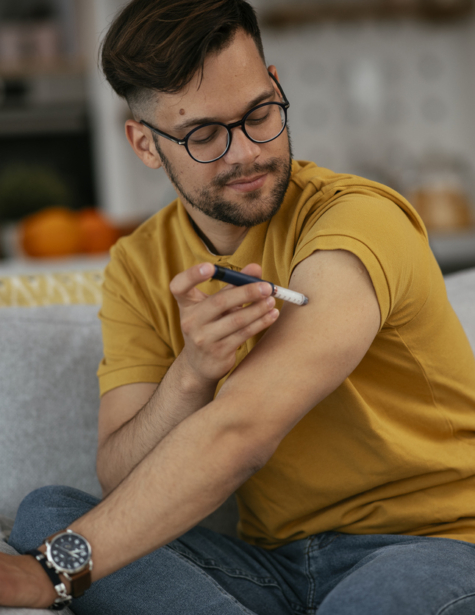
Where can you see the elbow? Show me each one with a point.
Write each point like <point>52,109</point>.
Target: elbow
<point>262,447</point>
<point>250,448</point>
<point>244,438</point>
<point>255,458</point>
<point>106,480</point>
<point>107,486</point>
<point>102,478</point>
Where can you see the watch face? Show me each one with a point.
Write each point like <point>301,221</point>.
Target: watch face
<point>70,552</point>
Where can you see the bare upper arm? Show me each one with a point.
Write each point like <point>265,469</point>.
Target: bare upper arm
<point>310,350</point>
<point>120,405</point>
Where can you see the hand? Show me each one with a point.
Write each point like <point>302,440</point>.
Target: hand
<point>215,326</point>
<point>24,583</point>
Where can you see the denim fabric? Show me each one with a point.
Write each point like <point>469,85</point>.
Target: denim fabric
<point>204,573</point>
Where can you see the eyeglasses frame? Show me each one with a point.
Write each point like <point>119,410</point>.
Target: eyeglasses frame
<point>241,123</point>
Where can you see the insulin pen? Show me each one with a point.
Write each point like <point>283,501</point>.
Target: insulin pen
<point>236,278</point>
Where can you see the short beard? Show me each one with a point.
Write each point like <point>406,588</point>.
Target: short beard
<point>227,211</point>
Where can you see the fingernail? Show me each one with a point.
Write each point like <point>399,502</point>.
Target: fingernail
<point>206,269</point>
<point>270,301</point>
<point>264,288</point>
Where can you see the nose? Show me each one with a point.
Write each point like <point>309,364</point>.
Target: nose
<point>242,150</point>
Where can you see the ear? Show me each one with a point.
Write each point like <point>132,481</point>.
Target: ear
<point>272,69</point>
<point>141,141</point>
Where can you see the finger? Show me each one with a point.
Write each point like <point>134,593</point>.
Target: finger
<point>207,313</point>
<point>251,269</point>
<point>238,319</point>
<point>240,337</point>
<point>223,302</point>
<point>183,285</point>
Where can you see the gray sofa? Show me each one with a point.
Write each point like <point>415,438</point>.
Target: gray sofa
<point>49,399</point>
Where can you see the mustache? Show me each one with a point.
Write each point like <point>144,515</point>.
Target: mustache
<point>270,166</point>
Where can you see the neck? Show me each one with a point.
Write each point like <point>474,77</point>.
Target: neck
<point>219,237</point>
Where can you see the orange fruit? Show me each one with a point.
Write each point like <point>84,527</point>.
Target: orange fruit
<point>98,234</point>
<point>54,231</point>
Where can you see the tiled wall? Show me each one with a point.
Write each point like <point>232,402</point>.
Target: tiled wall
<point>375,98</point>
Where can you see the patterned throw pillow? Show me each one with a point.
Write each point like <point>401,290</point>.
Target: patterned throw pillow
<point>77,287</point>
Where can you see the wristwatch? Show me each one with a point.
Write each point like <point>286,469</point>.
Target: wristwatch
<point>69,554</point>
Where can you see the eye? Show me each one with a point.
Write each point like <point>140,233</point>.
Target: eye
<point>205,135</point>
<point>259,116</point>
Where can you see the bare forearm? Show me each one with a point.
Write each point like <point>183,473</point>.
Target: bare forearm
<point>213,328</point>
<point>179,395</point>
<point>194,469</point>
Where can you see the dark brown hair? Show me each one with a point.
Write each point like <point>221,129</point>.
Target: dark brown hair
<point>158,45</point>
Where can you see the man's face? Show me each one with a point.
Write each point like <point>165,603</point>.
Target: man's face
<point>247,185</point>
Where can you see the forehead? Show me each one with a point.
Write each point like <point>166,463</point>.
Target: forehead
<point>231,78</point>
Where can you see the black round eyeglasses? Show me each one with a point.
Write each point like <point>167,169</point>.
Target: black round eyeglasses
<point>210,142</point>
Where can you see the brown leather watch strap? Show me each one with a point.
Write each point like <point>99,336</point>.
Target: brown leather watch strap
<point>80,582</point>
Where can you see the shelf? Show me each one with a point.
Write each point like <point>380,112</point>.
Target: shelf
<point>43,119</point>
<point>305,12</point>
<point>32,68</point>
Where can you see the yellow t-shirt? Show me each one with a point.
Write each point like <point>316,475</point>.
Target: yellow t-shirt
<point>392,449</point>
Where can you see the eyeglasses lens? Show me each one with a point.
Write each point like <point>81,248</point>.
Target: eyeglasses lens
<point>263,124</point>
<point>209,142</point>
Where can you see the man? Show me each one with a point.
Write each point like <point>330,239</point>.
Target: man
<point>345,426</point>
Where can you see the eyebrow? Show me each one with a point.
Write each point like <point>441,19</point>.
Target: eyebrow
<point>196,121</point>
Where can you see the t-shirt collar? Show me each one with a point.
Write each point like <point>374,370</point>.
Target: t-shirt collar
<point>250,250</point>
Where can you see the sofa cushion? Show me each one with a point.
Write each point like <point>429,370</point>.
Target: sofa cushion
<point>49,399</point>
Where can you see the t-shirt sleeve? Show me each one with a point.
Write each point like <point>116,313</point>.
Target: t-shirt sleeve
<point>391,247</point>
<point>133,349</point>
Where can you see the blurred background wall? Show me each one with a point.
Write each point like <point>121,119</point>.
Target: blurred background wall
<point>380,88</point>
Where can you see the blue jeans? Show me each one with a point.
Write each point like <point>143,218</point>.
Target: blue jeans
<point>204,573</point>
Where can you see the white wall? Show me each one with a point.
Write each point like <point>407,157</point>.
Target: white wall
<point>127,189</point>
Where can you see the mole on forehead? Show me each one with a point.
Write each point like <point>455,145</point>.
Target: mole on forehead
<point>182,112</point>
